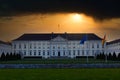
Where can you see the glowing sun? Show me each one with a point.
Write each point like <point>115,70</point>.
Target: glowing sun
<point>76,17</point>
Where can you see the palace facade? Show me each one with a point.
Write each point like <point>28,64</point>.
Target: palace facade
<point>57,45</point>
<point>5,48</point>
<point>113,46</point>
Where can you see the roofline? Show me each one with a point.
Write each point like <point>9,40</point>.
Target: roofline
<point>53,33</point>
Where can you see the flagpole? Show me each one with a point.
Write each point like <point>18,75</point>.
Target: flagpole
<point>106,54</point>
<point>88,48</point>
<point>84,38</point>
<point>104,47</point>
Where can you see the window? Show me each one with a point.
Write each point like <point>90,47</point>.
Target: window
<point>87,52</point>
<point>47,52</point>
<point>39,52</point>
<point>48,47</point>
<point>43,47</point>
<point>30,46</point>
<point>92,45</point>
<point>24,52</point>
<point>58,47</point>
<point>53,53</point>
<point>63,47</point>
<point>53,47</point>
<point>97,45</point>
<point>30,52</point>
<point>64,53</point>
<point>73,52</point>
<point>15,46</point>
<point>34,52</point>
<point>93,52</point>
<point>25,46</point>
<point>43,52</point>
<point>20,46</point>
<point>78,52</point>
<point>73,43</point>
<point>69,52</point>
<point>83,53</point>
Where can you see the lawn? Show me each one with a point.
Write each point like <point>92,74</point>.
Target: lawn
<point>59,74</point>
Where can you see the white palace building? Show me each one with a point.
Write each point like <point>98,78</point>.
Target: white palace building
<point>5,48</point>
<point>57,45</point>
<point>113,46</point>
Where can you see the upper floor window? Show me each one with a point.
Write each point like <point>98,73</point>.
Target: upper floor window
<point>14,46</point>
<point>63,47</point>
<point>69,52</point>
<point>43,47</point>
<point>92,45</point>
<point>30,46</point>
<point>58,47</point>
<point>87,52</point>
<point>25,46</point>
<point>97,45</point>
<point>53,47</point>
<point>73,43</point>
<point>34,47</point>
<point>20,46</point>
<point>73,47</point>
<point>83,52</point>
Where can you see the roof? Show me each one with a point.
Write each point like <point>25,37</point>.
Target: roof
<point>1,42</point>
<point>113,42</point>
<point>49,36</point>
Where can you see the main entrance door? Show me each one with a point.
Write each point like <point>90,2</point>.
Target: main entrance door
<point>58,53</point>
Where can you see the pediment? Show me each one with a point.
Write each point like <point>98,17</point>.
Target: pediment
<point>59,38</point>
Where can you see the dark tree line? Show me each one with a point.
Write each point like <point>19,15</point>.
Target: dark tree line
<point>10,56</point>
<point>109,56</point>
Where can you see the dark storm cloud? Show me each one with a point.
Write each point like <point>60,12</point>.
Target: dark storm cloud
<point>99,9</point>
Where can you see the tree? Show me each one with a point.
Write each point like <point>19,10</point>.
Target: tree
<point>109,56</point>
<point>114,56</point>
<point>119,56</point>
<point>3,57</point>
<point>7,56</point>
<point>98,56</point>
<point>103,56</point>
<point>11,56</point>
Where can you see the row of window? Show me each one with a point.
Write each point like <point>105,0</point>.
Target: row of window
<point>54,53</point>
<point>98,46</point>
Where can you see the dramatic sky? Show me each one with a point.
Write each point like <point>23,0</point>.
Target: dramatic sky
<point>72,16</point>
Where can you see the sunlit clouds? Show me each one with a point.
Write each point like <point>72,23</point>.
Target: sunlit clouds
<point>12,27</point>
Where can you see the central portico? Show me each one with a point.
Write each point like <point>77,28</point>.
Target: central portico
<point>59,47</point>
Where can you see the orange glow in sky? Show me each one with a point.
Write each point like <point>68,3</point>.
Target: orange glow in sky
<point>47,23</point>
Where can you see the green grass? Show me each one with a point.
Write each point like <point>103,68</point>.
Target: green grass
<point>59,74</point>
<point>55,61</point>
